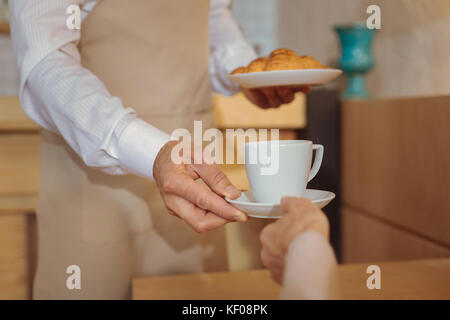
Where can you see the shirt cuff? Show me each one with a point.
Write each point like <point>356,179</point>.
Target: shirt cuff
<point>138,146</point>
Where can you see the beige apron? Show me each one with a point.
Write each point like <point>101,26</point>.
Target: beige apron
<point>154,56</point>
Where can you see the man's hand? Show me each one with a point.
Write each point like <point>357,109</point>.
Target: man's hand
<point>201,207</point>
<point>300,215</point>
<point>273,97</point>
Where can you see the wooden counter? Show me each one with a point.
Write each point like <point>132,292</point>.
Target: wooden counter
<point>416,279</point>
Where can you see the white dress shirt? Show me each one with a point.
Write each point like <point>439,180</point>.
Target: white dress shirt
<point>63,97</point>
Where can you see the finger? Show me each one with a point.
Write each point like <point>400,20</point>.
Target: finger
<point>276,270</point>
<point>304,89</point>
<point>297,205</point>
<point>201,196</point>
<point>276,250</point>
<point>269,239</point>
<point>287,203</point>
<point>271,261</point>
<point>264,256</point>
<point>267,233</point>
<point>172,213</point>
<point>276,276</point>
<point>286,94</point>
<point>258,98</point>
<point>217,180</point>
<point>198,219</point>
<point>272,97</point>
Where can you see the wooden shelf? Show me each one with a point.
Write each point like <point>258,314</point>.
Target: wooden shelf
<point>238,112</point>
<point>18,204</point>
<point>12,117</point>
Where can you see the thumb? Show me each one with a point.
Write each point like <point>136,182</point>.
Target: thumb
<point>216,180</point>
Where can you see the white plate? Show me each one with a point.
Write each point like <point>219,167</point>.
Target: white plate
<point>285,77</point>
<point>246,203</point>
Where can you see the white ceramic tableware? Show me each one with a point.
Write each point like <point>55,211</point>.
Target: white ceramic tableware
<point>300,77</point>
<point>280,168</point>
<point>247,203</point>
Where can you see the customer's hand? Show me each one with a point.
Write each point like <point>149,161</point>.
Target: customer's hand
<point>300,215</point>
<point>201,206</point>
<point>273,97</point>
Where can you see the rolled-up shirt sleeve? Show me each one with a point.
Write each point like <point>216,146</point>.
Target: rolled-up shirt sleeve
<point>63,97</point>
<point>228,49</point>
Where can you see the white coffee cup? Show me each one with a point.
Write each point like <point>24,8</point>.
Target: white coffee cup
<point>280,168</point>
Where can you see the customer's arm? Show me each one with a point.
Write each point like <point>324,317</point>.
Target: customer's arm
<point>296,251</point>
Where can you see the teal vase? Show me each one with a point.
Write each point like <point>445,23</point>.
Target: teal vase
<point>356,58</point>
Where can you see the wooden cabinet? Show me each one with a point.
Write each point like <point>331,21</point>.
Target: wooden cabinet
<point>396,178</point>
<point>19,184</point>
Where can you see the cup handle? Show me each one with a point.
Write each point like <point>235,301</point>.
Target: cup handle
<point>317,161</point>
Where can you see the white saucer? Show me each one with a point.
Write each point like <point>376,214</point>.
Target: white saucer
<point>285,77</point>
<point>246,203</point>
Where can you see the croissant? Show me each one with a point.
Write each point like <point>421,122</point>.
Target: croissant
<point>257,65</point>
<point>311,63</point>
<point>280,59</point>
<point>286,52</point>
<point>239,70</point>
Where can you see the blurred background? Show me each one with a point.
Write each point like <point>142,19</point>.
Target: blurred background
<point>386,157</point>
<point>411,51</point>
